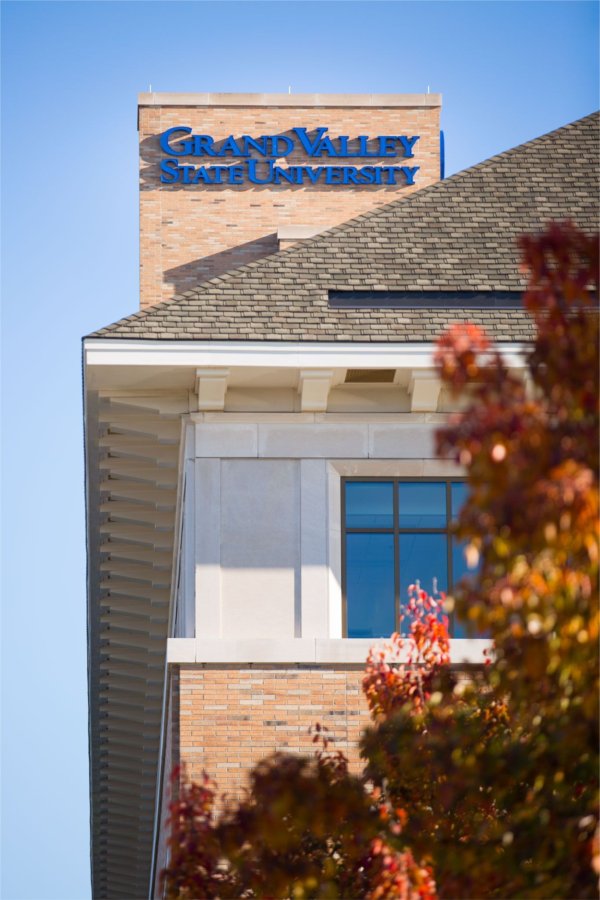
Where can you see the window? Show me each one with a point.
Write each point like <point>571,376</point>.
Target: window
<point>396,532</point>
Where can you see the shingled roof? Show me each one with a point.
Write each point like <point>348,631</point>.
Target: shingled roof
<point>457,235</point>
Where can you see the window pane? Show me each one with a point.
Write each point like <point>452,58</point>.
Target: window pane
<point>422,504</point>
<point>459,491</point>
<point>370,585</point>
<point>459,571</point>
<point>369,504</point>
<point>423,558</point>
<point>459,563</point>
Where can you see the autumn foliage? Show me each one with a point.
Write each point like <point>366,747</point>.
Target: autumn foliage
<point>400,673</point>
<point>482,781</point>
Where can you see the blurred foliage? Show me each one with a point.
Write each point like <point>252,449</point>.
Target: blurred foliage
<point>306,829</point>
<point>486,775</point>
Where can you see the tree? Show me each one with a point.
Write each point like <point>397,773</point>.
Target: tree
<point>489,781</point>
<point>510,761</point>
<point>286,838</point>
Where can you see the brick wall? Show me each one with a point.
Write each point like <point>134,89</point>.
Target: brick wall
<point>189,233</point>
<point>231,717</point>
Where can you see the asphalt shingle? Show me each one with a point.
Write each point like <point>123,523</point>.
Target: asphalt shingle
<point>459,234</point>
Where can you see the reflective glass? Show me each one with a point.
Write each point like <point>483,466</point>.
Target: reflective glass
<point>459,571</point>
<point>423,558</point>
<point>422,504</point>
<point>369,504</point>
<point>370,585</point>
<point>459,563</point>
<point>459,491</point>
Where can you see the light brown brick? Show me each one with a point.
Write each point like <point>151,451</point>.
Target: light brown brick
<point>189,234</point>
<point>227,741</point>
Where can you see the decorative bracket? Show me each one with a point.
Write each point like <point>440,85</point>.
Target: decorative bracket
<point>211,387</point>
<point>314,386</point>
<point>424,389</point>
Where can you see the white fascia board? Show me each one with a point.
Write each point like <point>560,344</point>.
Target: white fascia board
<point>112,352</point>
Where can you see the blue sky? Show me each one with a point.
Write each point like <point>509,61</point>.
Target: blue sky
<point>71,72</point>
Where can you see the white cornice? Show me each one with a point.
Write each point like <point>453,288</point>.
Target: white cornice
<point>111,352</point>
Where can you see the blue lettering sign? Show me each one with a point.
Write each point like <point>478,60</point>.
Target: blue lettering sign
<point>309,146</point>
<point>184,146</point>
<point>408,144</point>
<point>169,171</point>
<point>261,154</point>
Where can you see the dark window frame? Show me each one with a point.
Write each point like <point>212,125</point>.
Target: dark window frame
<point>425,299</point>
<point>396,530</point>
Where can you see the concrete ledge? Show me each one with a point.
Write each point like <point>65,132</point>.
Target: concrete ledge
<point>320,651</point>
<point>181,650</point>
<point>299,232</point>
<point>326,100</point>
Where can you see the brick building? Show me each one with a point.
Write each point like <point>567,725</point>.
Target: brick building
<point>192,232</point>
<point>261,480</point>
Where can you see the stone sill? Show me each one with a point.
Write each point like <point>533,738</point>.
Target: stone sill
<point>318,651</point>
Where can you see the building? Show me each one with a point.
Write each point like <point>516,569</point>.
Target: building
<point>261,479</point>
<point>257,206</point>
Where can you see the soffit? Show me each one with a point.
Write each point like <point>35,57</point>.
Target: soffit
<point>132,474</point>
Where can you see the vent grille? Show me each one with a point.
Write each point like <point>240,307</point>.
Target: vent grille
<point>370,376</point>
